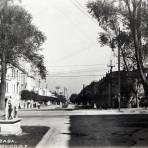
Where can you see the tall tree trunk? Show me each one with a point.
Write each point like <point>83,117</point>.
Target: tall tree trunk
<point>3,81</point>
<point>140,67</point>
<point>135,26</point>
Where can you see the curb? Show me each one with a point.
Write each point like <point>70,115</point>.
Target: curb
<point>47,138</point>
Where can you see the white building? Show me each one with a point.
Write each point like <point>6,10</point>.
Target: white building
<point>45,92</point>
<point>18,79</point>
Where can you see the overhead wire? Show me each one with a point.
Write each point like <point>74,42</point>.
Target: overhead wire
<point>75,72</point>
<point>60,66</point>
<point>74,76</point>
<point>74,22</point>
<point>80,30</point>
<point>82,9</point>
<point>88,69</point>
<point>73,54</point>
<point>79,6</point>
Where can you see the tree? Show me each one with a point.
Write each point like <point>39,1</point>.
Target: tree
<point>73,98</point>
<point>28,95</point>
<point>131,18</point>
<point>20,39</point>
<point>4,3</point>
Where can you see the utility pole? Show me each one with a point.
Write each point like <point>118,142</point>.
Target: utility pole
<point>83,93</point>
<point>119,79</point>
<point>39,86</point>
<point>65,92</point>
<point>46,88</point>
<point>110,83</point>
<point>83,89</point>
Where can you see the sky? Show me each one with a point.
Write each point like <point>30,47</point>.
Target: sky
<point>72,54</point>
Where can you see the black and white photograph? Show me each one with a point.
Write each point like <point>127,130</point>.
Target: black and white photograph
<point>73,73</point>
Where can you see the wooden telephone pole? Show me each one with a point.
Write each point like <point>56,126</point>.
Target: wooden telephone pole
<point>110,83</point>
<point>119,79</point>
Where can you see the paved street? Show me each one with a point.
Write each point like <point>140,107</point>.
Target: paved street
<point>84,128</point>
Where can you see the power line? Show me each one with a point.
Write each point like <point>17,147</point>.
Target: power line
<point>78,65</point>
<point>75,76</point>
<point>74,22</point>
<point>81,8</point>
<point>73,54</point>
<point>75,72</point>
<point>78,71</point>
<point>78,51</point>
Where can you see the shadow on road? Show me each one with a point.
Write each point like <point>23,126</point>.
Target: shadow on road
<point>108,130</point>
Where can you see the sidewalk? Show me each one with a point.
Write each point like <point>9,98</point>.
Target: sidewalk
<point>43,107</point>
<point>116,111</point>
<point>56,110</point>
<point>129,111</point>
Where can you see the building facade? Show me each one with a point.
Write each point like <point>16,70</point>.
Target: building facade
<point>104,93</point>
<point>18,79</point>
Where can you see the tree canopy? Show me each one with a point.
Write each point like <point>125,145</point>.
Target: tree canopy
<point>20,40</point>
<point>125,23</point>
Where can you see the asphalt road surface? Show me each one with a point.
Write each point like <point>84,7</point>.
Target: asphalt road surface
<point>88,129</point>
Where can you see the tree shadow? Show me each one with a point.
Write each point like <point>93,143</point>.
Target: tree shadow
<point>108,131</point>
